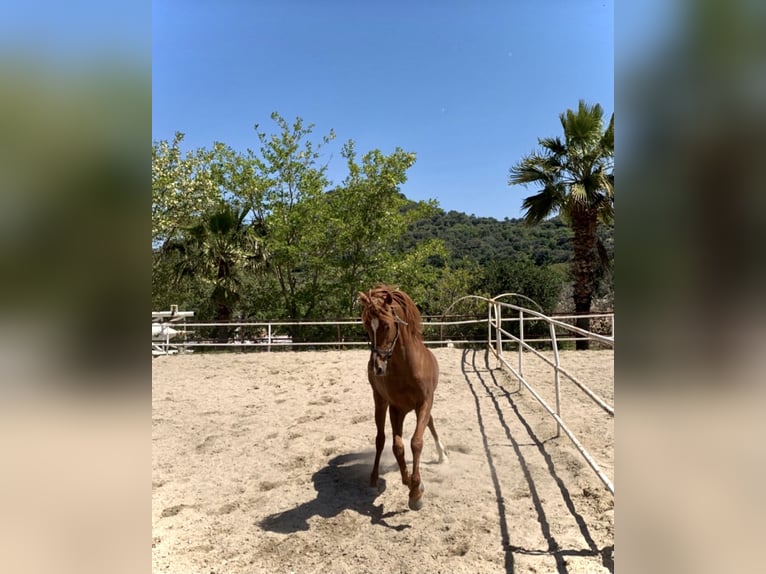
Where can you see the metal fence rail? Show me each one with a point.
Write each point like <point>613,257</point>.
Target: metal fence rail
<point>188,339</point>
<point>187,334</point>
<point>502,337</point>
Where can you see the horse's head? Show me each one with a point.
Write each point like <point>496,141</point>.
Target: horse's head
<point>382,325</point>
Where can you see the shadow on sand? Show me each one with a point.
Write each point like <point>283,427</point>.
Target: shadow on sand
<point>343,484</point>
<point>491,387</point>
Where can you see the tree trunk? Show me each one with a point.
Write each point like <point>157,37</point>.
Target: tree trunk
<point>224,301</point>
<point>584,223</point>
<point>222,315</point>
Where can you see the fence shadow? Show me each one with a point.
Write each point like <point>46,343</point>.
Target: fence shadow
<point>489,386</point>
<point>343,484</point>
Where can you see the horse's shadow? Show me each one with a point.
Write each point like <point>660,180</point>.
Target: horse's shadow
<point>343,484</point>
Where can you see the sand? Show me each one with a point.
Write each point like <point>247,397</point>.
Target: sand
<point>261,463</point>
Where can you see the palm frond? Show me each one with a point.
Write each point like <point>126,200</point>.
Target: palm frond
<point>554,164</point>
<point>603,256</point>
<point>605,182</point>
<point>542,205</point>
<point>605,209</point>
<point>607,141</point>
<point>578,192</point>
<point>582,129</point>
<point>553,145</point>
<point>531,169</point>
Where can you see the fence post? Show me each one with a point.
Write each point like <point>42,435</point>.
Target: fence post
<point>489,325</point>
<point>556,380</point>
<point>521,340</point>
<point>268,348</point>
<point>498,333</point>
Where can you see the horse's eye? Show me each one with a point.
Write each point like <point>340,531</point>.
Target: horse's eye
<point>385,326</point>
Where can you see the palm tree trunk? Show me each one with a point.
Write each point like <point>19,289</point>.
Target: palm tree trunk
<point>222,315</point>
<point>584,223</point>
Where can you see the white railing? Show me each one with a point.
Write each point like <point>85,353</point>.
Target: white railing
<point>274,333</point>
<point>264,334</point>
<point>502,337</point>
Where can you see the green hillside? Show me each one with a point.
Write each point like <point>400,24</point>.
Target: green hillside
<point>485,239</point>
<point>510,256</point>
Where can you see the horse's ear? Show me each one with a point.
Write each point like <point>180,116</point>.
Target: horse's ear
<point>363,299</point>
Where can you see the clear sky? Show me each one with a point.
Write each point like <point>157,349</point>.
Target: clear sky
<point>467,86</point>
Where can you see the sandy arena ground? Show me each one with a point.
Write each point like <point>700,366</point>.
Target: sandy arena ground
<point>261,463</point>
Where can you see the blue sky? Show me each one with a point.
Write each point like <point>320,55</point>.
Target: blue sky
<point>467,86</point>
<point>76,32</point>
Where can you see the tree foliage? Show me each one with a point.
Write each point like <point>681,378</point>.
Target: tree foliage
<point>485,239</point>
<point>182,188</point>
<point>263,235</point>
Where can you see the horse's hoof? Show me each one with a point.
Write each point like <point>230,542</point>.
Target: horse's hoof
<point>417,503</point>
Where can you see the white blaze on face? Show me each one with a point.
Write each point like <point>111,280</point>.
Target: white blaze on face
<point>374,322</point>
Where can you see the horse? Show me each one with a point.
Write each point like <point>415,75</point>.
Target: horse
<point>403,374</point>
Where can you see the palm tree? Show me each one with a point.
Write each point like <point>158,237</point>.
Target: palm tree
<point>216,251</point>
<point>575,180</point>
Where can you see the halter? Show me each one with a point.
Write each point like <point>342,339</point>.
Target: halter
<point>386,354</point>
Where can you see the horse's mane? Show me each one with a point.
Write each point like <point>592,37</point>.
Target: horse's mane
<point>404,306</point>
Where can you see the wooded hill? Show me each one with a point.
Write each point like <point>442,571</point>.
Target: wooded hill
<point>484,239</point>
<point>510,256</point>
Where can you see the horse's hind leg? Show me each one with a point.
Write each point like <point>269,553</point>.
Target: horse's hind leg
<point>439,446</point>
<point>416,486</point>
<point>380,438</point>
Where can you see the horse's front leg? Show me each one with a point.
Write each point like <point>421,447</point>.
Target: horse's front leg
<point>381,406</point>
<point>397,425</point>
<point>416,485</point>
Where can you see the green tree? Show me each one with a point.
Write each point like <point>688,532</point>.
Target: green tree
<point>575,180</point>
<point>293,214</point>
<point>217,252</point>
<point>182,193</point>
<point>458,279</point>
<point>204,239</point>
<point>542,284</point>
<point>182,188</point>
<point>261,234</point>
<point>369,218</point>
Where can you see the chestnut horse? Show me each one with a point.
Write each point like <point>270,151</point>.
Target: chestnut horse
<point>403,374</point>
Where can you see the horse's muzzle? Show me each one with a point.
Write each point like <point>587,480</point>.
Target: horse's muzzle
<point>380,365</point>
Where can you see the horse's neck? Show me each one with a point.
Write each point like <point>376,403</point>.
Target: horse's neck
<point>410,342</point>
